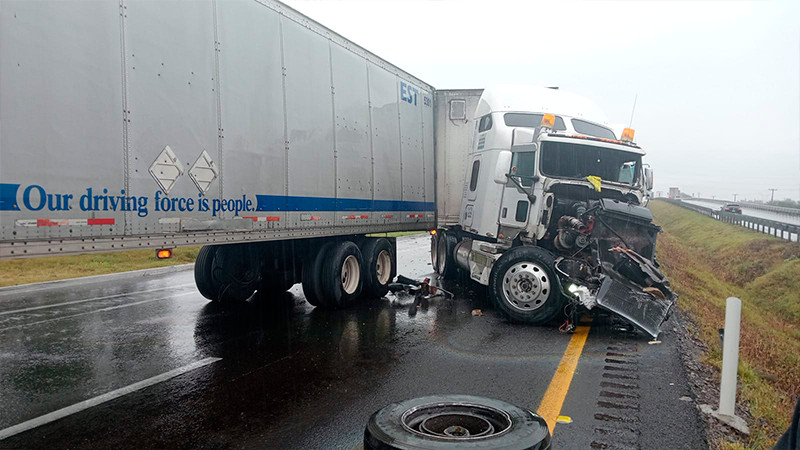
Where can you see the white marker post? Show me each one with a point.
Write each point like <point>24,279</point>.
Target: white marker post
<point>726,412</point>
<point>730,357</point>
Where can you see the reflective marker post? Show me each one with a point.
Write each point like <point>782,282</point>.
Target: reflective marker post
<point>726,413</point>
<point>730,357</point>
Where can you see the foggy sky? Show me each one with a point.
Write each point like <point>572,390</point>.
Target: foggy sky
<point>718,82</point>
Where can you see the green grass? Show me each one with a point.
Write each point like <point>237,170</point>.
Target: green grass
<point>49,268</point>
<point>708,261</point>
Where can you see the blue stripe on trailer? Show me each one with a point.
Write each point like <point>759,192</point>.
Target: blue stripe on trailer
<point>8,197</point>
<point>293,203</point>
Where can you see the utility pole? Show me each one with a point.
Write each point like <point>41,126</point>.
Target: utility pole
<point>772,198</point>
<point>734,197</point>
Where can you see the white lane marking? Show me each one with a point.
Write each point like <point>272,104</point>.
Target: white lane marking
<point>108,396</point>
<point>35,308</point>
<point>95,311</point>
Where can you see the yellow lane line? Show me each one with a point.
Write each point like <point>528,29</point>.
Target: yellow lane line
<point>550,407</point>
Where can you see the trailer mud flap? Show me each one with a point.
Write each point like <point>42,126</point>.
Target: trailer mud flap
<point>645,311</point>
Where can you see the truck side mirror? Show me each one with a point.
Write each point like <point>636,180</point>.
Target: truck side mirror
<point>502,167</point>
<point>648,178</point>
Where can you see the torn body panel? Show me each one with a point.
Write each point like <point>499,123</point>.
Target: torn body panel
<point>608,261</point>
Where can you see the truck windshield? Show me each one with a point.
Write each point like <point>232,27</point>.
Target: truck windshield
<point>530,120</point>
<point>590,129</point>
<point>568,160</point>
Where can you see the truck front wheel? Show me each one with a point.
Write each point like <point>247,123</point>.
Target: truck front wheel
<point>523,285</point>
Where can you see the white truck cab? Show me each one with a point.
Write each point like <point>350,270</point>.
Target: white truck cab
<point>549,189</point>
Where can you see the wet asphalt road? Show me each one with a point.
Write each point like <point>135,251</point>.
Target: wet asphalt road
<point>291,376</point>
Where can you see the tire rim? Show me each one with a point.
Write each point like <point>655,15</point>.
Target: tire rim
<point>383,267</point>
<point>351,274</point>
<point>456,421</point>
<point>435,252</point>
<point>441,250</point>
<point>526,286</point>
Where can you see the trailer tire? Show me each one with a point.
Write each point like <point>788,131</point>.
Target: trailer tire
<point>435,422</point>
<point>236,270</point>
<point>524,287</point>
<point>445,248</point>
<point>312,274</point>
<point>341,275</point>
<point>203,266</point>
<point>379,267</point>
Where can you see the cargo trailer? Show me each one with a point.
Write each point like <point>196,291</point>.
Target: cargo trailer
<point>282,148</point>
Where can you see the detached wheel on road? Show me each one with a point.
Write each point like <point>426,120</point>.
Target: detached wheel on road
<point>379,267</point>
<point>523,286</point>
<point>312,274</point>
<point>341,275</point>
<point>455,421</point>
<point>445,254</point>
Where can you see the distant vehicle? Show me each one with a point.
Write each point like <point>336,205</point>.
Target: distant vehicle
<point>731,208</point>
<point>674,193</point>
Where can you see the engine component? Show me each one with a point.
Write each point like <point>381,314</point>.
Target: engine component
<point>569,228</point>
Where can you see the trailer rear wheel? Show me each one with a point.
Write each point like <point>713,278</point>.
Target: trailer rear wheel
<point>341,275</point>
<point>379,267</point>
<point>236,270</point>
<point>312,274</point>
<point>524,287</point>
<point>203,266</point>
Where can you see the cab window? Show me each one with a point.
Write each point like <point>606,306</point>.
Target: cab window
<point>485,123</point>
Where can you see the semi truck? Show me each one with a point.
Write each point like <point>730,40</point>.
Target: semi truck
<point>283,148</point>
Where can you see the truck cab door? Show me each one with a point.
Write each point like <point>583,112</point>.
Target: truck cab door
<point>471,185</point>
<point>519,194</point>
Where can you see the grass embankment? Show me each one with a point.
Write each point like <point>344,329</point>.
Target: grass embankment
<point>49,268</point>
<point>708,261</point>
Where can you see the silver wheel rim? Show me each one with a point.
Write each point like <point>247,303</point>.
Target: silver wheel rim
<point>351,274</point>
<point>526,286</point>
<point>441,250</point>
<point>383,267</point>
<point>435,252</point>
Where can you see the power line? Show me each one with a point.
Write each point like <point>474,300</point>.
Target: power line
<point>773,194</point>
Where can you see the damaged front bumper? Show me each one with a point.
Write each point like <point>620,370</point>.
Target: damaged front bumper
<point>631,288</point>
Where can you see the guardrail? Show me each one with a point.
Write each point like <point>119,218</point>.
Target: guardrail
<point>761,206</point>
<point>782,230</point>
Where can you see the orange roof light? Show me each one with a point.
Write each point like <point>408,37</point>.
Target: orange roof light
<point>548,121</point>
<point>627,135</point>
<point>164,253</point>
<point>433,232</point>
